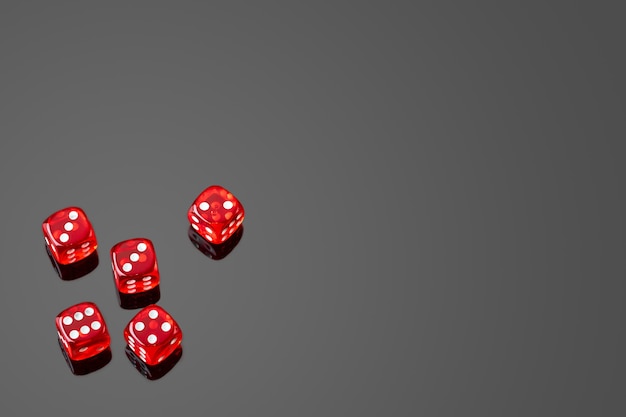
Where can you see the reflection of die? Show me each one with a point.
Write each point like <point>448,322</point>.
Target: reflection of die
<point>134,266</point>
<point>153,372</point>
<point>215,252</point>
<point>89,365</point>
<point>215,214</point>
<point>153,334</point>
<point>82,331</point>
<point>69,235</point>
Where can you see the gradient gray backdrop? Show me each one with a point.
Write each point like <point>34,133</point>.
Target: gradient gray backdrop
<point>434,199</point>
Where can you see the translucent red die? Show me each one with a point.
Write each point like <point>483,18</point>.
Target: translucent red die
<point>69,235</point>
<point>153,335</point>
<point>216,214</point>
<point>82,331</point>
<point>134,265</point>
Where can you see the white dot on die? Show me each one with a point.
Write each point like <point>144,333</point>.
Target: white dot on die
<point>68,226</point>
<point>84,348</point>
<point>153,314</point>
<point>78,315</point>
<point>166,326</point>
<point>130,282</point>
<point>134,257</point>
<point>142,247</point>
<point>227,204</point>
<point>67,320</point>
<point>148,278</point>
<point>209,238</point>
<point>73,215</point>
<point>96,325</point>
<point>173,341</point>
<point>127,267</point>
<point>64,237</point>
<point>208,229</point>
<point>84,329</point>
<point>84,245</point>
<point>74,334</point>
<point>195,219</point>
<point>152,339</point>
<point>204,206</point>
<point>139,326</point>
<point>70,251</point>
<point>89,311</point>
<point>195,226</point>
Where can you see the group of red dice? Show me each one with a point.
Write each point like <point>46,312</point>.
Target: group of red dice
<point>152,335</point>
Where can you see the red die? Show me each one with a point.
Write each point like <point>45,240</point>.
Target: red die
<point>82,331</point>
<point>69,235</point>
<point>153,334</point>
<point>134,266</point>
<point>216,214</point>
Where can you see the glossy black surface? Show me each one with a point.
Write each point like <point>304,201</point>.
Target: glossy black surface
<point>434,199</point>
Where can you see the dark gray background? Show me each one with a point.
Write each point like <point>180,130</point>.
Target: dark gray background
<point>434,200</point>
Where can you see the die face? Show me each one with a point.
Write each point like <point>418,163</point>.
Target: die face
<point>69,235</point>
<point>153,334</point>
<point>82,331</point>
<point>134,266</point>
<point>216,214</point>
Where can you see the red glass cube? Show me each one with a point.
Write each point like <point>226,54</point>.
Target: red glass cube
<point>216,214</point>
<point>69,235</point>
<point>82,331</point>
<point>153,334</point>
<point>134,265</point>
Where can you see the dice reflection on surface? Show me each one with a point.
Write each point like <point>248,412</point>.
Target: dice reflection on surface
<point>213,251</point>
<point>69,235</point>
<point>134,266</point>
<point>153,372</point>
<point>89,365</point>
<point>74,270</point>
<point>82,331</point>
<point>153,334</point>
<point>216,214</point>
<point>140,299</point>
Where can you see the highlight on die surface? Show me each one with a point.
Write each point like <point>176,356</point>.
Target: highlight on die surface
<point>69,235</point>
<point>134,265</point>
<point>82,331</point>
<point>153,335</point>
<point>216,214</point>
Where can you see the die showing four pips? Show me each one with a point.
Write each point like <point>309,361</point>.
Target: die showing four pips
<point>152,335</point>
